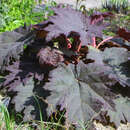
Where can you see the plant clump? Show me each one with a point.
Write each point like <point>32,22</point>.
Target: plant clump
<point>67,68</point>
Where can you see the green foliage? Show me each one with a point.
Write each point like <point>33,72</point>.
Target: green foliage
<point>15,13</point>
<point>109,33</point>
<point>119,20</point>
<point>5,118</point>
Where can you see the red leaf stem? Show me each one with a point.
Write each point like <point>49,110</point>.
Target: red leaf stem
<point>94,42</point>
<point>104,41</point>
<point>79,47</point>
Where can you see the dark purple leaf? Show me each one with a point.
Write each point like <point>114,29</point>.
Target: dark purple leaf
<point>118,60</point>
<point>120,114</point>
<point>67,21</point>
<point>124,34</point>
<point>85,90</point>
<point>99,17</point>
<point>20,71</point>
<point>50,57</point>
<point>24,99</point>
<point>11,46</point>
<point>21,83</point>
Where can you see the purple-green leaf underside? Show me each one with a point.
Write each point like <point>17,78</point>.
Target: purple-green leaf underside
<point>85,90</point>
<point>117,59</point>
<point>24,96</point>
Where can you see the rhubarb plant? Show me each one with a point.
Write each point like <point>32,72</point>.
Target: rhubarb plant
<point>66,68</point>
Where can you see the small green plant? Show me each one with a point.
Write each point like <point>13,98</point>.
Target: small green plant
<point>16,13</point>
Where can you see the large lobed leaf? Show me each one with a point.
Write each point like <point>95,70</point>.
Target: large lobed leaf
<point>24,96</point>
<point>23,86</point>
<point>12,45</point>
<point>67,21</point>
<point>25,99</point>
<point>84,90</point>
<point>118,60</point>
<point>122,108</point>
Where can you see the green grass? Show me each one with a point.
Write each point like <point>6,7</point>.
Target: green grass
<point>8,122</point>
<point>5,121</point>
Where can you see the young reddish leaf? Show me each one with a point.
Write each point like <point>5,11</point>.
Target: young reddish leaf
<point>124,34</point>
<point>50,57</point>
<point>98,17</point>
